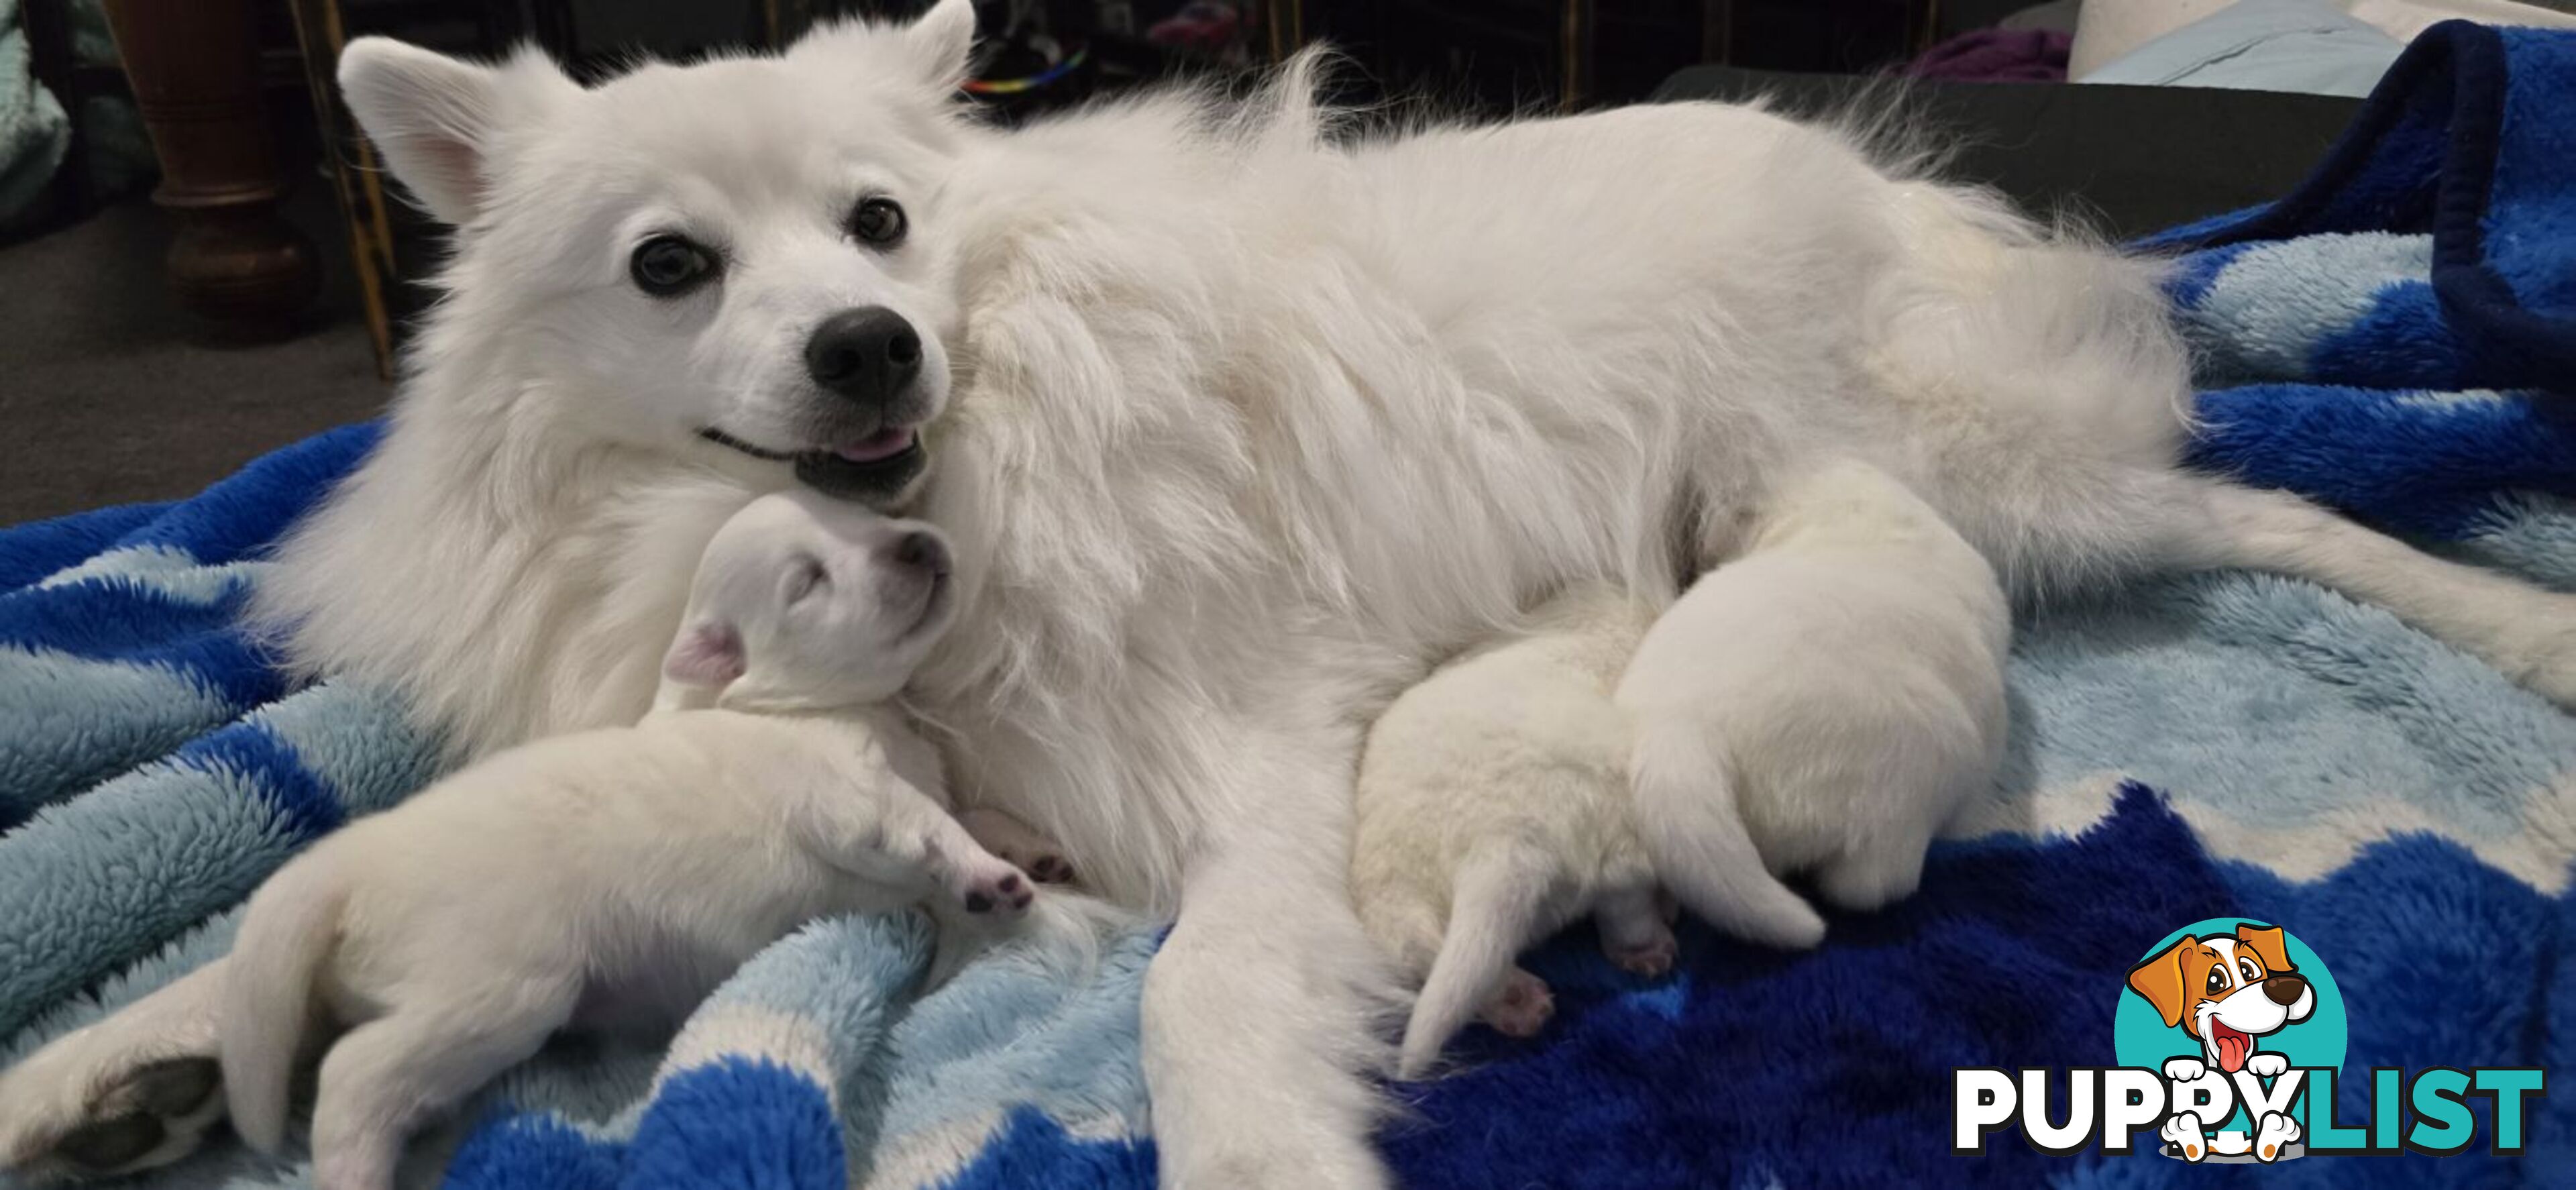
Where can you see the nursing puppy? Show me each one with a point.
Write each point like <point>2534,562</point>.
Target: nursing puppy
<point>1237,427</point>
<point>617,875</point>
<point>1840,686</point>
<point>1493,809</point>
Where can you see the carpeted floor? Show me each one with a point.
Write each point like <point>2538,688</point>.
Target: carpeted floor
<point>109,393</point>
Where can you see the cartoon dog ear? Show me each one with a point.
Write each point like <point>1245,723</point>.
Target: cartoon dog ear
<point>2160,980</point>
<point>2267,943</point>
<point>708,656</point>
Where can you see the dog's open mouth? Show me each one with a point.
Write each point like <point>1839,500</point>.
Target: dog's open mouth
<point>871,468</point>
<point>2234,1046</point>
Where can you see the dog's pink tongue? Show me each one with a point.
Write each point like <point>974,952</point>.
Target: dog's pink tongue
<point>2233,1047</point>
<point>876,447</point>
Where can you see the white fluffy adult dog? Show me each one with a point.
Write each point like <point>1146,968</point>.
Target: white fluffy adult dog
<point>1235,430</point>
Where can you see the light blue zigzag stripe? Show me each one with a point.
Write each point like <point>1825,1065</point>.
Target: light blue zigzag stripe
<point>2278,702</point>
<point>357,740</point>
<point>165,569</point>
<point>69,722</point>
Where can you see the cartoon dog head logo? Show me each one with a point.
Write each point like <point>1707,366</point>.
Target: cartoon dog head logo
<point>2228,991</point>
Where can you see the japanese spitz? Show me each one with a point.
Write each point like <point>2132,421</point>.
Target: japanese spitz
<point>1238,424</point>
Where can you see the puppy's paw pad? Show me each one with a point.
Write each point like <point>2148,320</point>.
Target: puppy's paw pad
<point>1005,891</point>
<point>1522,1008</point>
<point>106,1145</point>
<point>1049,869</point>
<point>149,1116</point>
<point>1652,960</point>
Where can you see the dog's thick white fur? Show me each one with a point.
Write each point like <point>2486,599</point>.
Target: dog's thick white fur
<point>1493,808</point>
<point>1841,686</point>
<point>615,876</point>
<point>1236,428</point>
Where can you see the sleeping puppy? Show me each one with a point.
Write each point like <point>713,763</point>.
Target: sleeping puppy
<point>1493,809</point>
<point>614,877</point>
<point>1840,686</point>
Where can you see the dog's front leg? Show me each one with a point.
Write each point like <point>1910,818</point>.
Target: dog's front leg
<point>1258,1010</point>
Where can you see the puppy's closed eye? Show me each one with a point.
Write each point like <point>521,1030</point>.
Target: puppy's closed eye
<point>805,575</point>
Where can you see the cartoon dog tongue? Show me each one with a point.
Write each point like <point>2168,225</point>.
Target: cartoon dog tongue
<point>2233,1046</point>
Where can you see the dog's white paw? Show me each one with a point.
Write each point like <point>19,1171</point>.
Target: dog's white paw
<point>72,1112</point>
<point>2267,1065</point>
<point>994,887</point>
<point>2183,1070</point>
<point>2183,1133</point>
<point>2275,1134</point>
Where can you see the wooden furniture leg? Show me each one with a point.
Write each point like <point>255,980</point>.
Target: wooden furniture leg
<point>194,67</point>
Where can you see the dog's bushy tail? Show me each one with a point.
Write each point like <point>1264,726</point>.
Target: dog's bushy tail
<point>1495,903</point>
<point>1688,822</point>
<point>267,1003</point>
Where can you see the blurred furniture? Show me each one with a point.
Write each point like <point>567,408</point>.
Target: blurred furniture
<point>2123,160</point>
<point>193,66</point>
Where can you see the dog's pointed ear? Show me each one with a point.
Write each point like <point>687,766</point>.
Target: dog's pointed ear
<point>434,118</point>
<point>707,656</point>
<point>2160,980</point>
<point>944,37</point>
<point>2267,943</point>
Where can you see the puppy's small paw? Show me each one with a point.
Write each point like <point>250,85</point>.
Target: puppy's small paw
<point>1048,868</point>
<point>1004,891</point>
<point>1522,1007</point>
<point>1652,959</point>
<point>2183,1070</point>
<point>2267,1065</point>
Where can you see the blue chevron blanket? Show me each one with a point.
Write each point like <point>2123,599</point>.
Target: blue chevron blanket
<point>2217,746</point>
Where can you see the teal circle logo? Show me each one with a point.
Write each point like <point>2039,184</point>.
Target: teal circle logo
<point>2141,1036</point>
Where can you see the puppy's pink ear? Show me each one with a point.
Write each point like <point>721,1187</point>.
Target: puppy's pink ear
<point>708,654</point>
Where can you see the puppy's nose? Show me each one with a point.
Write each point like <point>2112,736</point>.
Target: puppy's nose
<point>2284,989</point>
<point>868,355</point>
<point>919,549</point>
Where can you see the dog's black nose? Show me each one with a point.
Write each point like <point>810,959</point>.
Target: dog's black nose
<point>868,355</point>
<point>920,550</point>
<point>2285,989</point>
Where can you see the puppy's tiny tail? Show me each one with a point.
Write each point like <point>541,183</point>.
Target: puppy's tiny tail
<point>267,1004</point>
<point>1687,819</point>
<point>1494,907</point>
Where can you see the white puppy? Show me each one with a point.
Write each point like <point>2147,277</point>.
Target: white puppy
<point>1841,686</point>
<point>617,875</point>
<point>1493,809</point>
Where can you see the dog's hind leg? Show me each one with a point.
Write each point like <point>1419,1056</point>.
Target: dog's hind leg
<point>133,1091</point>
<point>1405,924</point>
<point>2526,631</point>
<point>391,1076</point>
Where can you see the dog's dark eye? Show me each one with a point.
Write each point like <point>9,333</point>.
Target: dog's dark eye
<point>2246,968</point>
<point>2217,980</point>
<point>879,221</point>
<point>666,266</point>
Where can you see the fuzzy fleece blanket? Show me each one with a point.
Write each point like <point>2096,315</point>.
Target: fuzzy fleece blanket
<point>2214,746</point>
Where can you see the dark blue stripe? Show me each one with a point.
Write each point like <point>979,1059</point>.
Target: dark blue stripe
<point>2426,468</point>
<point>34,550</point>
<point>738,1124</point>
<point>1032,1152</point>
<point>245,512</point>
<point>309,808</point>
<point>531,1152</point>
